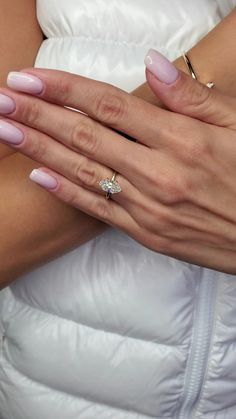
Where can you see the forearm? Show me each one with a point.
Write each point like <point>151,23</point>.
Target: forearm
<point>35,226</point>
<point>20,39</point>
<point>213,59</point>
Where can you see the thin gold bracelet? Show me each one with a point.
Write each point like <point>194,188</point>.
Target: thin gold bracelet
<point>192,72</point>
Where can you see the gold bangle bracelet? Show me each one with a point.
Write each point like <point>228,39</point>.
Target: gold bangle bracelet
<point>192,72</point>
<point>189,66</point>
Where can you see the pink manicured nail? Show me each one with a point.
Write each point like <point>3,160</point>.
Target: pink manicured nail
<point>10,134</point>
<point>161,67</point>
<point>24,82</point>
<point>7,105</point>
<point>43,179</point>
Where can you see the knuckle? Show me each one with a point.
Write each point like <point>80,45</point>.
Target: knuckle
<point>62,87</point>
<point>111,108</point>
<point>174,189</point>
<point>195,95</point>
<point>37,149</point>
<point>83,137</point>
<point>85,174</point>
<point>197,151</point>
<point>30,113</point>
<point>65,90</point>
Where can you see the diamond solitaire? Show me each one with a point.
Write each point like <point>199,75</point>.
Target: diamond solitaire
<point>110,186</point>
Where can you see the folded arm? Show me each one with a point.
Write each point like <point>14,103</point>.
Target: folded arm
<point>35,226</point>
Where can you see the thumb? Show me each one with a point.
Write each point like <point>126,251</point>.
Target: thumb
<point>180,93</point>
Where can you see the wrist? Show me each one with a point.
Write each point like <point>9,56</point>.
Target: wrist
<point>213,57</point>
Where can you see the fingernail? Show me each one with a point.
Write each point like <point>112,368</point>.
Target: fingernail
<point>43,179</point>
<point>10,134</point>
<point>7,105</point>
<point>161,67</point>
<point>24,82</point>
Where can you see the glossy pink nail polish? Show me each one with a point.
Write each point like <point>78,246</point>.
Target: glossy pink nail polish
<point>43,179</point>
<point>24,82</point>
<point>10,134</point>
<point>7,105</point>
<point>161,67</point>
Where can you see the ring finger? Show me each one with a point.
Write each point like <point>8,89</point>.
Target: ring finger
<point>74,166</point>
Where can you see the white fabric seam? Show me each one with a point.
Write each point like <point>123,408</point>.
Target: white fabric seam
<point>18,300</point>
<point>108,41</point>
<point>74,396</point>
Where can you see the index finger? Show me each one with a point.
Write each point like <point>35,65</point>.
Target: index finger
<point>103,102</point>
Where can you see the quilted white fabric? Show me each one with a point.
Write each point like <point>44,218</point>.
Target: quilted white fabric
<point>113,330</point>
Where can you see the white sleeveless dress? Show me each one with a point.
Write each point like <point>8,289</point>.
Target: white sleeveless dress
<point>112,330</point>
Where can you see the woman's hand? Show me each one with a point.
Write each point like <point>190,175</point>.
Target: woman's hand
<point>178,180</point>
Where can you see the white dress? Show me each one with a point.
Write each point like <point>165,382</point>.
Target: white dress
<point>112,330</point>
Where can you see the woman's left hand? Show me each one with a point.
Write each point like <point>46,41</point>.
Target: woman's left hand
<point>178,181</point>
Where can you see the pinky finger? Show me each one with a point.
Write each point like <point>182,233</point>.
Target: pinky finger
<point>85,200</point>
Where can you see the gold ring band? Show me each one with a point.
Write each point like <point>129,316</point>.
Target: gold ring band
<point>113,179</point>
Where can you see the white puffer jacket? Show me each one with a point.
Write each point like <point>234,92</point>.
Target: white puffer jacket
<point>113,330</point>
